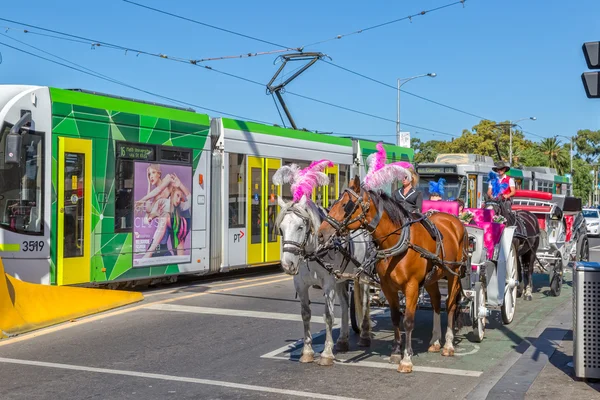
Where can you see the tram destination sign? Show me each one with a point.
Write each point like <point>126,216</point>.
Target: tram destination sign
<point>436,170</point>
<point>136,151</point>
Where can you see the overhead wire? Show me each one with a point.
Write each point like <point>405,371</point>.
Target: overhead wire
<point>90,72</point>
<point>248,80</point>
<point>409,17</point>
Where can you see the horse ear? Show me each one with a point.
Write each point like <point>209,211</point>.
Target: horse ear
<point>302,201</point>
<point>355,186</point>
<point>280,202</point>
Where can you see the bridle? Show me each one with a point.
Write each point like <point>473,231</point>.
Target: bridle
<point>356,201</point>
<point>291,246</point>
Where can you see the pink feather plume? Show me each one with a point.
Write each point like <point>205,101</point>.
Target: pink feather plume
<point>303,181</point>
<point>381,174</point>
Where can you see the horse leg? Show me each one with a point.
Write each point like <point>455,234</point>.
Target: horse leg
<point>528,273</point>
<point>394,302</point>
<point>520,276</point>
<point>327,357</point>
<point>308,355</point>
<point>436,302</point>
<point>365,325</point>
<point>412,298</point>
<point>451,307</point>
<point>342,293</point>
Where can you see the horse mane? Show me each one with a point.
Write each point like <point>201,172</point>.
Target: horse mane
<point>396,213</point>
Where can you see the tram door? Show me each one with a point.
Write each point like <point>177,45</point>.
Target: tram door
<point>325,196</point>
<point>263,240</point>
<point>74,193</point>
<point>472,191</point>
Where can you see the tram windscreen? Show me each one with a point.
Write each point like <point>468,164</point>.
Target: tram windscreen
<point>21,185</point>
<point>454,188</point>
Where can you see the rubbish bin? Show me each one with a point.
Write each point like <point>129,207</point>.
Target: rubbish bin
<point>586,320</point>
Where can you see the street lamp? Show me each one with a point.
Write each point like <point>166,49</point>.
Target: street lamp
<point>571,153</point>
<point>510,125</point>
<point>400,83</point>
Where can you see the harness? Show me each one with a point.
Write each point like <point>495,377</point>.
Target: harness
<point>402,245</point>
<point>299,248</point>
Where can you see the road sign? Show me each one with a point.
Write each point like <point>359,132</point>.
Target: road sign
<point>591,80</point>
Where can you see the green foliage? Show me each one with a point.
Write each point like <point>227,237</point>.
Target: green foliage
<point>556,156</point>
<point>582,178</point>
<point>481,139</point>
<point>427,151</point>
<point>588,144</point>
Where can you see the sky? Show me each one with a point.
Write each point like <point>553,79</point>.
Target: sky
<point>501,60</point>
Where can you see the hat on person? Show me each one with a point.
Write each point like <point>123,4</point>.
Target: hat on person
<point>500,165</point>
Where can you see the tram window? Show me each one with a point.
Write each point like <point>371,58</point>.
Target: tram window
<point>286,191</point>
<point>237,191</point>
<point>127,153</point>
<point>182,156</point>
<point>344,171</point>
<point>21,185</point>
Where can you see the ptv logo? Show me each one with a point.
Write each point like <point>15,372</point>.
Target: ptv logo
<point>237,237</point>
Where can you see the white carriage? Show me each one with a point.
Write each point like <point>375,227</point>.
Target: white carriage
<point>563,234</point>
<point>490,280</point>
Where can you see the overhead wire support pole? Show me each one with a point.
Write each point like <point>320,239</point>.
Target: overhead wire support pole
<point>313,57</point>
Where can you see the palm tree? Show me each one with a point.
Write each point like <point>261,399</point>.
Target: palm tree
<point>556,154</point>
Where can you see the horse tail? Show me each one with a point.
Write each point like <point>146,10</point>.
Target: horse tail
<point>358,299</point>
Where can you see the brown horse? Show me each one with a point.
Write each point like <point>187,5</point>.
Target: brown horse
<point>410,264</point>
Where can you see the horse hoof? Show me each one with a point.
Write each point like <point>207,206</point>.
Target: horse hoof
<point>364,342</point>
<point>307,358</point>
<point>448,352</point>
<point>342,347</point>
<point>395,358</point>
<point>325,361</point>
<point>434,348</point>
<point>405,368</point>
<point>528,297</point>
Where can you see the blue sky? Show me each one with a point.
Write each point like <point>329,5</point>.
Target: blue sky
<point>497,59</point>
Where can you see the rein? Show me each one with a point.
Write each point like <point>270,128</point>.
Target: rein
<point>401,246</point>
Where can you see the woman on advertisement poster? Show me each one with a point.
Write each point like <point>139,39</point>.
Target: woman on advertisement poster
<point>168,214</point>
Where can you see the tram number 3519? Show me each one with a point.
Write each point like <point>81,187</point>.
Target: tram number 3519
<point>33,245</point>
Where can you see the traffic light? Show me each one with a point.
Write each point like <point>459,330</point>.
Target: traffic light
<point>591,80</point>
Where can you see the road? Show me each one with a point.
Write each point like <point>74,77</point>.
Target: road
<point>236,338</point>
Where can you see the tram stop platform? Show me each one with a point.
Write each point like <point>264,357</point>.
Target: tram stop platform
<point>25,307</point>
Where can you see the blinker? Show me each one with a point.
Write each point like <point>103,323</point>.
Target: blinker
<point>349,208</point>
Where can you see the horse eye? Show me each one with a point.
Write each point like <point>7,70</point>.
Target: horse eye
<point>300,228</point>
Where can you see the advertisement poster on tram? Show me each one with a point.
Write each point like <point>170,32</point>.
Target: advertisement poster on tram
<point>162,228</point>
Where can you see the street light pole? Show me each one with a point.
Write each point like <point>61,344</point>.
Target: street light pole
<point>571,154</point>
<point>400,83</point>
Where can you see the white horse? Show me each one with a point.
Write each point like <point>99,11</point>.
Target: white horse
<point>298,224</point>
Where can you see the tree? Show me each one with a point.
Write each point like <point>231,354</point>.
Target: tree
<point>531,157</point>
<point>582,178</point>
<point>482,137</point>
<point>555,154</point>
<point>588,144</point>
<point>427,151</point>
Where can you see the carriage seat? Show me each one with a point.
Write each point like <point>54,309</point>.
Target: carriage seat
<point>492,231</point>
<point>450,207</point>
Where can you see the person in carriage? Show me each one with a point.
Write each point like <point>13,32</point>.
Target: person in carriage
<point>508,185</point>
<point>408,195</point>
<point>436,190</point>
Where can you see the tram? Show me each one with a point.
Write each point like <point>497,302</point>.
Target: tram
<point>466,178</point>
<point>100,189</point>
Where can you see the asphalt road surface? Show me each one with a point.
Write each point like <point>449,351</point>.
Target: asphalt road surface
<point>236,338</point>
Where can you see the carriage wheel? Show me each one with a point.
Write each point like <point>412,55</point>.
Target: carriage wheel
<point>478,302</point>
<point>557,278</point>
<point>584,250</point>
<point>353,317</point>
<point>510,294</point>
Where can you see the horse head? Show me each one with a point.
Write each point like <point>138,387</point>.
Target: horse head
<point>352,211</point>
<point>297,223</point>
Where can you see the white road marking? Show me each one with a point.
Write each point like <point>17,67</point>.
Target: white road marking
<point>416,368</point>
<point>172,378</point>
<point>232,312</point>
